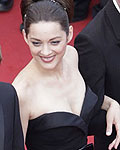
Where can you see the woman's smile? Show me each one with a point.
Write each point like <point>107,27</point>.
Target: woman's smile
<point>47,59</point>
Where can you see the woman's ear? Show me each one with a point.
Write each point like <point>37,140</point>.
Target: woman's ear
<point>70,35</point>
<point>24,36</point>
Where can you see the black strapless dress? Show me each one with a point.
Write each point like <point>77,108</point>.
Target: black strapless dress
<point>61,130</point>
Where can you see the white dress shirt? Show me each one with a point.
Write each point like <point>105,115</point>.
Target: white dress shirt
<point>116,5</point>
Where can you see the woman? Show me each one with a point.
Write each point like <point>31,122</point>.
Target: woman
<point>11,136</point>
<point>54,100</point>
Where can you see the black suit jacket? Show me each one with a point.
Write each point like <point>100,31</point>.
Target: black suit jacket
<point>11,136</point>
<point>98,46</point>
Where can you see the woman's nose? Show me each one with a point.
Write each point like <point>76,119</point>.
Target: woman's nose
<point>45,50</point>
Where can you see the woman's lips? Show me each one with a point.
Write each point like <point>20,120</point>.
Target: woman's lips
<point>47,59</point>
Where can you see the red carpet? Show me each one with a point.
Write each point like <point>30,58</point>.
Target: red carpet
<point>14,50</point>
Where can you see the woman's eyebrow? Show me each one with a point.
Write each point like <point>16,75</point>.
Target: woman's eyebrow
<point>32,38</point>
<point>57,37</point>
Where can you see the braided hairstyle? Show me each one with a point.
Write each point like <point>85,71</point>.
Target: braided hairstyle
<point>60,11</point>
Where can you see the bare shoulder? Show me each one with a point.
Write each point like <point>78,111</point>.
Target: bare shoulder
<point>21,85</point>
<point>71,55</point>
<point>72,51</point>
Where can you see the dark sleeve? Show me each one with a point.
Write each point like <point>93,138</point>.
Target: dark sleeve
<point>18,140</point>
<point>91,65</point>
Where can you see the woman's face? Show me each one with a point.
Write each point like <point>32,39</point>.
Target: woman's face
<point>47,42</point>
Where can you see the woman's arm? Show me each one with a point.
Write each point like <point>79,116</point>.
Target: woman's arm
<point>108,102</point>
<point>24,107</point>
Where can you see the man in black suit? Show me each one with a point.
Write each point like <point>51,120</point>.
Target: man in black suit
<point>11,136</point>
<point>98,46</point>
<point>6,5</point>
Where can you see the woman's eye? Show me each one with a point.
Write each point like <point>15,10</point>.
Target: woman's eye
<point>55,42</point>
<point>36,43</point>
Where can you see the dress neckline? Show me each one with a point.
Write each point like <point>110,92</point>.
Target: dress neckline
<point>83,109</point>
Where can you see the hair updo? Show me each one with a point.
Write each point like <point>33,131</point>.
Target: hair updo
<point>60,11</point>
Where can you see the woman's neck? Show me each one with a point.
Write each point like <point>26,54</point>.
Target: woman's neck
<point>57,72</point>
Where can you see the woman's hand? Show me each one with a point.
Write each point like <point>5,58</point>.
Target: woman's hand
<point>113,118</point>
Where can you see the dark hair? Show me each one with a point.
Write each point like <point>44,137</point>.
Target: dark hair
<point>60,11</point>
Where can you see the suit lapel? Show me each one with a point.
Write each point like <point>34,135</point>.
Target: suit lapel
<point>114,18</point>
<point>1,129</point>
